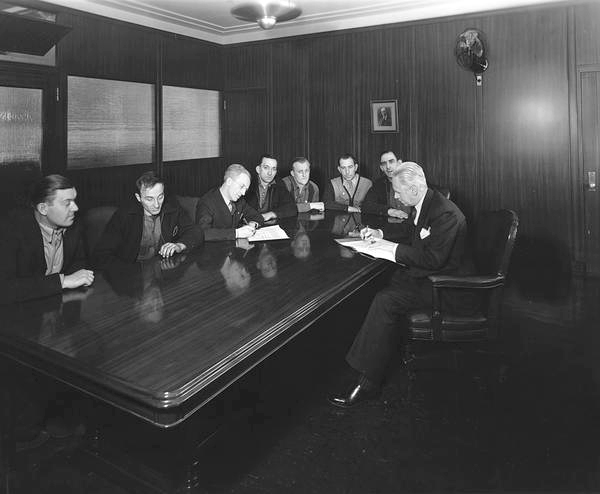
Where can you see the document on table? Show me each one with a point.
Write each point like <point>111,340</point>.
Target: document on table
<point>274,232</point>
<point>378,248</point>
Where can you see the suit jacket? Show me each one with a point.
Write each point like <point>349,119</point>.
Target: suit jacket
<point>439,240</point>
<point>277,199</point>
<point>123,233</point>
<point>377,200</point>
<point>215,219</point>
<point>22,261</point>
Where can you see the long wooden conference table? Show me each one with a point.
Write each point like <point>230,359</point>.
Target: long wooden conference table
<point>161,339</point>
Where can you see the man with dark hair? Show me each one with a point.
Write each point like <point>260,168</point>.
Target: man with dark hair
<point>301,188</point>
<point>223,213</point>
<point>346,192</point>
<point>151,225</point>
<point>437,246</point>
<point>41,249</point>
<point>381,198</point>
<point>267,194</point>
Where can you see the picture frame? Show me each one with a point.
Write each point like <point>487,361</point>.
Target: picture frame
<point>384,116</point>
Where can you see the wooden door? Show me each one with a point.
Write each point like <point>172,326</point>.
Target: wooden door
<point>245,135</point>
<point>589,153</point>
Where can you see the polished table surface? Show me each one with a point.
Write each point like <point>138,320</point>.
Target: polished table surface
<point>160,339</point>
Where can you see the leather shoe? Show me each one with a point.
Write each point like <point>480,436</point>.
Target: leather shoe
<point>357,394</point>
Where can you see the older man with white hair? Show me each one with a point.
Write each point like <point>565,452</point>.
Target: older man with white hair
<point>437,246</point>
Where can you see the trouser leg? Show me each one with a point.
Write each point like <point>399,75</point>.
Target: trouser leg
<point>384,326</point>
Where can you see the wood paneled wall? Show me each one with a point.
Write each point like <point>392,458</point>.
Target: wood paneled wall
<point>505,144</point>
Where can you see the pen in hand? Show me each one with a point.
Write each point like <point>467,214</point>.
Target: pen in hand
<point>367,234</point>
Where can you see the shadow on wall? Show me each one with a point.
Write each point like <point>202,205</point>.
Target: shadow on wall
<point>541,267</point>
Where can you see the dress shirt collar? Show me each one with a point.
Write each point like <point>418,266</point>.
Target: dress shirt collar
<point>50,234</point>
<point>418,207</point>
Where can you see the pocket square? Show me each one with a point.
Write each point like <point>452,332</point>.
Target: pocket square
<point>424,233</point>
<point>175,231</point>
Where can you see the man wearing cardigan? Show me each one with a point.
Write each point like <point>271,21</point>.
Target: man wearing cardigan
<point>437,246</point>
<point>348,191</point>
<point>301,188</point>
<point>41,248</point>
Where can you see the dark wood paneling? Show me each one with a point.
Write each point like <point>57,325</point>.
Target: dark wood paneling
<point>194,177</point>
<point>245,126</point>
<point>248,66</point>
<point>105,186</point>
<point>587,20</point>
<point>192,63</point>
<point>526,123</point>
<point>332,109</point>
<point>382,62</point>
<point>445,112</point>
<point>289,99</point>
<point>97,47</point>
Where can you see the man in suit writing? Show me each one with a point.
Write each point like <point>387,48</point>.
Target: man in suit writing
<point>437,245</point>
<point>223,213</point>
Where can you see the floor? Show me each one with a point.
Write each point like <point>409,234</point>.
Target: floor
<point>521,419</point>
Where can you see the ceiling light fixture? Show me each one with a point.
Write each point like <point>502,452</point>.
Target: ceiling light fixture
<point>266,12</point>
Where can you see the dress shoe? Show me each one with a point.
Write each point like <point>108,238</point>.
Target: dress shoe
<point>357,394</point>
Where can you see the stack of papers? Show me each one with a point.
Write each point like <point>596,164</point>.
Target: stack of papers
<point>268,233</point>
<point>376,248</point>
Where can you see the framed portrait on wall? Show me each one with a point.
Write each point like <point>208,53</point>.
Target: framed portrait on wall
<point>384,115</point>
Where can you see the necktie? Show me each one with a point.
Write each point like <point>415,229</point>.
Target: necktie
<point>230,206</point>
<point>413,214</point>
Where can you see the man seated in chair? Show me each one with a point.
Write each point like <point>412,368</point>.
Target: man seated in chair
<point>381,198</point>
<point>267,194</point>
<point>223,213</point>
<point>437,246</point>
<point>302,189</point>
<point>348,191</point>
<point>148,226</point>
<point>41,248</point>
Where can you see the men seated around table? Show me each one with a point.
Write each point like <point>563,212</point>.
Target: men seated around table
<point>348,191</point>
<point>223,213</point>
<point>267,194</point>
<point>41,248</point>
<point>438,246</point>
<point>148,226</point>
<point>381,198</point>
<point>304,191</point>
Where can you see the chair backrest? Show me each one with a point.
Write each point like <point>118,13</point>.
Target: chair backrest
<point>189,203</point>
<point>494,239</point>
<point>94,222</point>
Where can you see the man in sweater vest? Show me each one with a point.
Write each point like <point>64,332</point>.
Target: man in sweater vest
<point>302,189</point>
<point>348,191</point>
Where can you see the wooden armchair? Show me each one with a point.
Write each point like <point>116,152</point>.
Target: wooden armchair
<point>492,244</point>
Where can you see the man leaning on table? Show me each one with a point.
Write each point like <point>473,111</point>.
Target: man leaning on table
<point>301,188</point>
<point>149,225</point>
<point>381,198</point>
<point>223,213</point>
<point>437,245</point>
<point>346,192</point>
<point>41,248</point>
<point>267,194</point>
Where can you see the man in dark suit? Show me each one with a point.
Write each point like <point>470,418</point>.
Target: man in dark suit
<point>41,248</point>
<point>148,226</point>
<point>223,213</point>
<point>438,245</point>
<point>269,195</point>
<point>381,198</point>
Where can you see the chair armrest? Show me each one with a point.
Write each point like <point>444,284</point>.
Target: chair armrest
<point>448,281</point>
